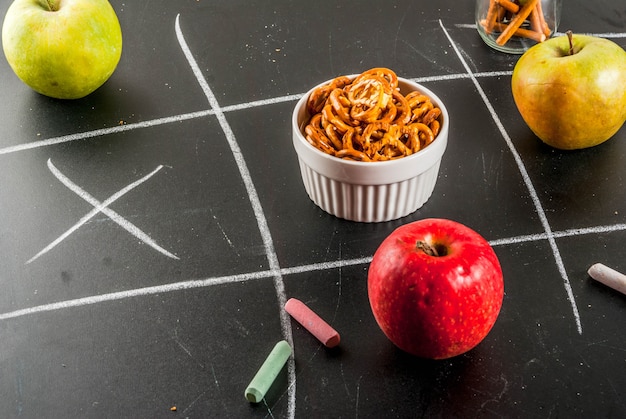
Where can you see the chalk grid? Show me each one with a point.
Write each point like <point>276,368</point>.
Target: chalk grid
<point>275,271</point>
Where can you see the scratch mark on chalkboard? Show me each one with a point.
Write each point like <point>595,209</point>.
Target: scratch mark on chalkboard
<point>330,52</point>
<point>103,208</point>
<point>358,393</point>
<point>269,410</point>
<point>603,342</point>
<point>343,378</point>
<point>330,242</point>
<point>429,57</point>
<point>19,387</point>
<point>498,397</point>
<point>339,288</point>
<point>178,342</point>
<point>230,243</point>
<point>617,393</point>
<point>239,327</point>
<point>194,401</point>
<point>398,30</point>
<point>482,155</point>
<point>215,380</point>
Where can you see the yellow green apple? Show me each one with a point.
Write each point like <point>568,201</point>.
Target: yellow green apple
<point>571,90</point>
<point>64,49</point>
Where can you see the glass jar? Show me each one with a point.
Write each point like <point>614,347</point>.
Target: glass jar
<point>513,26</point>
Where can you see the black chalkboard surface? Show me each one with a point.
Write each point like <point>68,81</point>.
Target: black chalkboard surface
<point>150,232</point>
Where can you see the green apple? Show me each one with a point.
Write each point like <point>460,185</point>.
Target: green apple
<point>571,90</point>
<point>64,49</point>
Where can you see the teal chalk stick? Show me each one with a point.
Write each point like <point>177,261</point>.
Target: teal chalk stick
<point>265,376</point>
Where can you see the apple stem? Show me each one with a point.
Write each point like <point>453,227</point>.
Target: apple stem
<point>426,248</point>
<point>52,5</point>
<point>570,37</point>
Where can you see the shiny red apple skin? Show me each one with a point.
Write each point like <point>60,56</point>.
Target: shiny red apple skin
<point>435,307</point>
<point>572,101</point>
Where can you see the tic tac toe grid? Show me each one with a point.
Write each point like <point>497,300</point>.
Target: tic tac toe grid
<point>152,232</point>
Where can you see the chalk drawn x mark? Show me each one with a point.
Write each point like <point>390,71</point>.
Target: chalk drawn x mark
<point>102,207</point>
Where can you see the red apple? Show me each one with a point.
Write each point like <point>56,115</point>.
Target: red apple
<point>435,287</point>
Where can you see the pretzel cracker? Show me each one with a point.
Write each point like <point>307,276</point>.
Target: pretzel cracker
<point>368,119</point>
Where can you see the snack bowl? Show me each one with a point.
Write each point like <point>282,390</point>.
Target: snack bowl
<point>369,191</point>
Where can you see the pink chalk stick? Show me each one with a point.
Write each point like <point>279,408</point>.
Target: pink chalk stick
<point>312,322</point>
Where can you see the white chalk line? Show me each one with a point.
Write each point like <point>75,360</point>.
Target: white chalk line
<point>102,132</point>
<point>181,286</point>
<point>208,112</point>
<point>557,33</point>
<point>527,181</point>
<point>264,229</point>
<point>103,208</point>
<point>244,277</point>
<point>559,234</point>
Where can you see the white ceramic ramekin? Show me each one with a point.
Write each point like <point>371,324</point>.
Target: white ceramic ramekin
<point>369,191</point>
